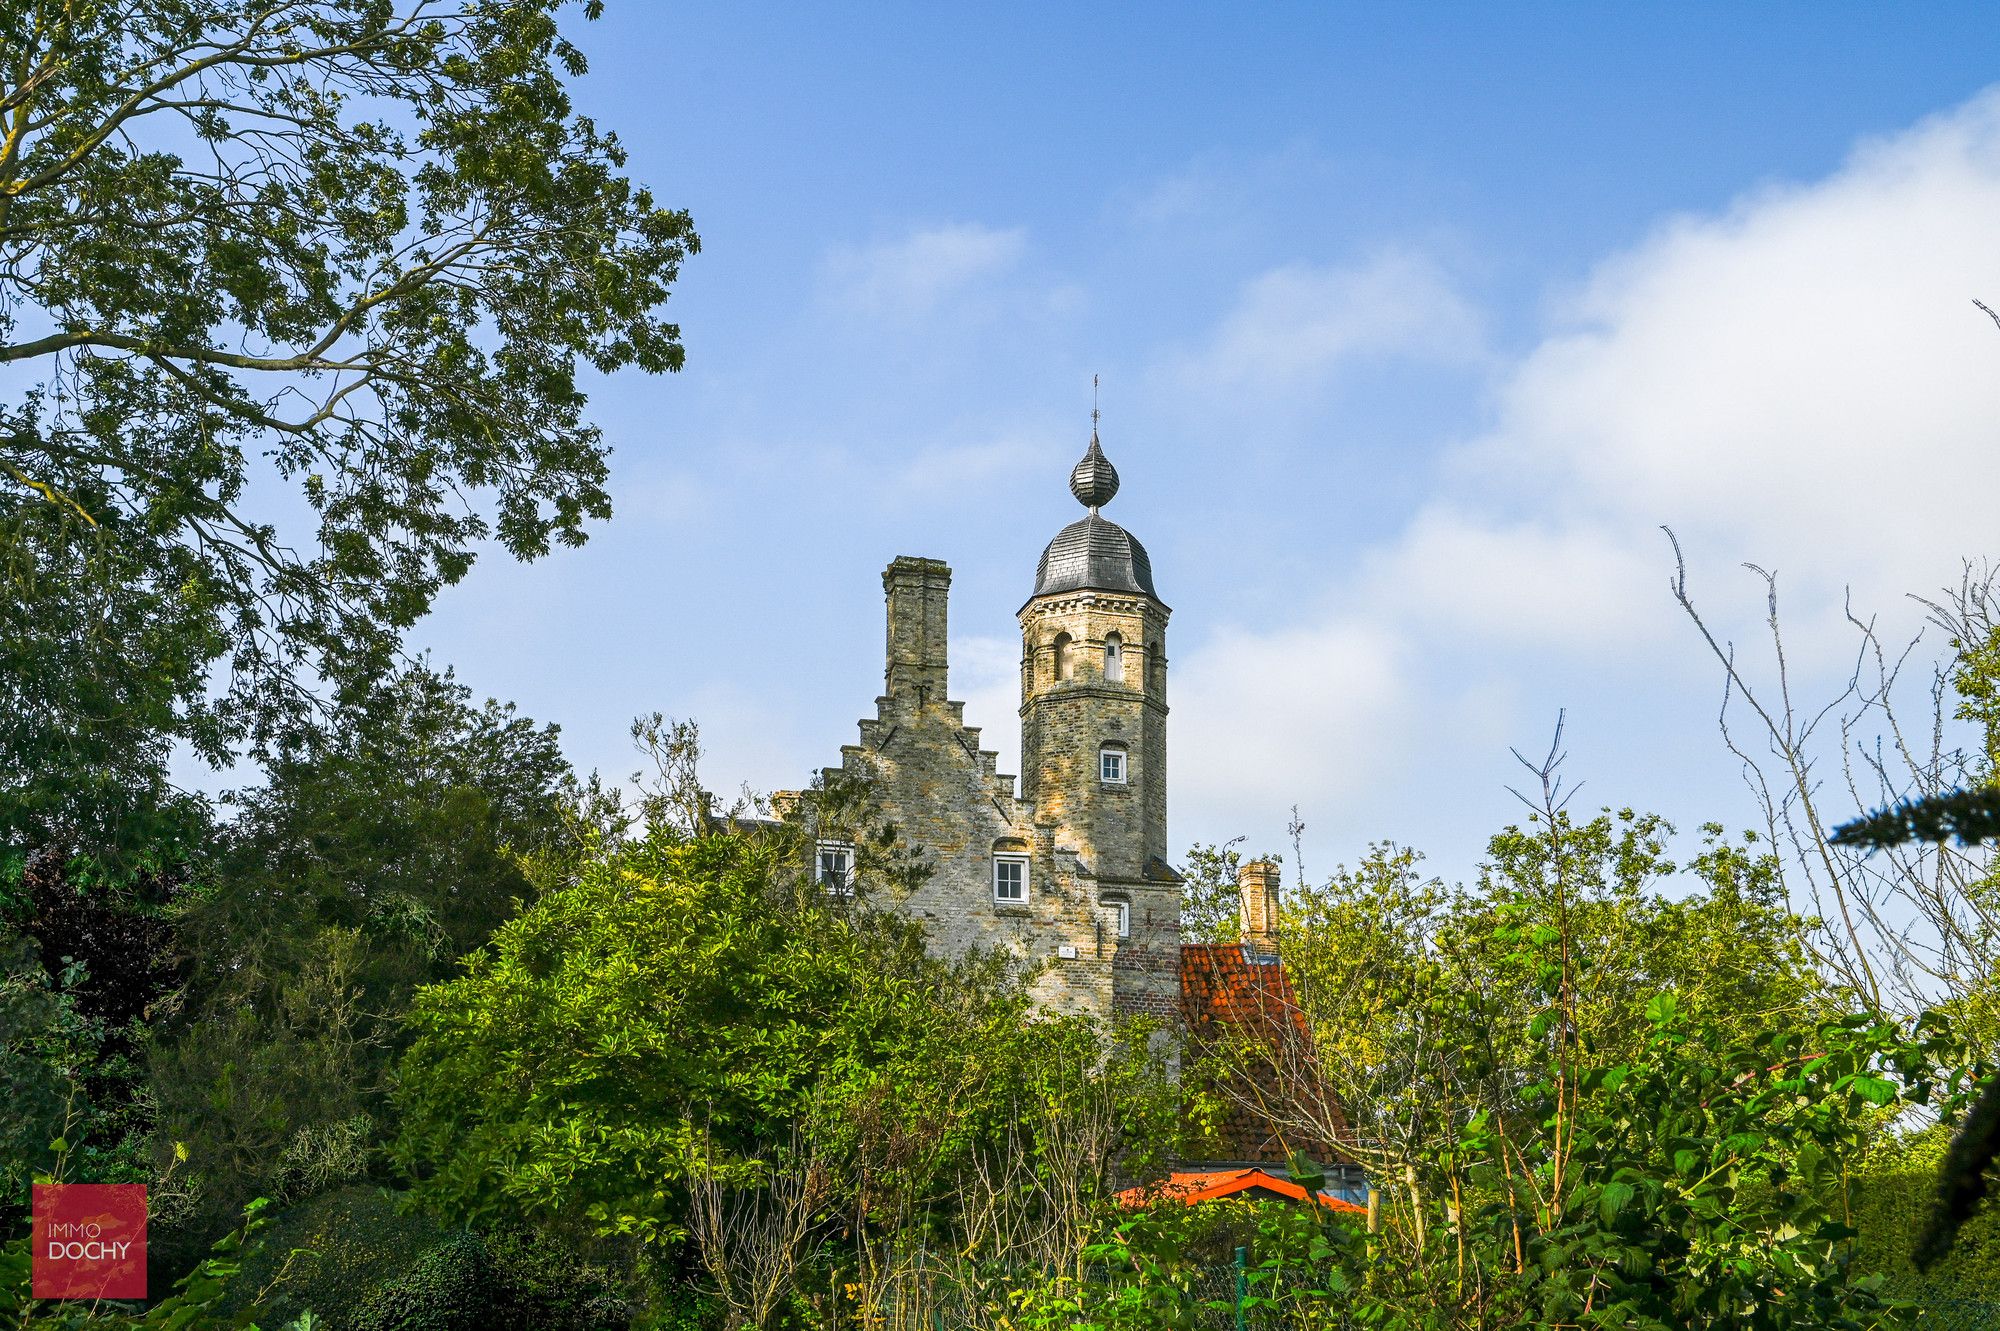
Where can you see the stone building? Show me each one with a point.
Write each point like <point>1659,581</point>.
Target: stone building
<point>1069,872</point>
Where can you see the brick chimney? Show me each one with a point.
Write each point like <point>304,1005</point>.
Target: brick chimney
<point>916,590</point>
<point>1257,885</point>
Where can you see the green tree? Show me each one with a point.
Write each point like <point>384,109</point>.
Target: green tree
<point>380,850</point>
<point>675,1008</point>
<point>1695,1183</point>
<point>690,1043</point>
<point>1969,815</point>
<point>259,255</point>
<point>1419,1012</point>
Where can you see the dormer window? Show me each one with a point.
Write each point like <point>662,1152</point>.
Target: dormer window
<point>1114,659</point>
<point>836,868</point>
<point>1111,764</point>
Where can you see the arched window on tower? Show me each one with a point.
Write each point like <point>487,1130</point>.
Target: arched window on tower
<point>1111,764</point>
<point>1114,659</point>
<point>1062,659</point>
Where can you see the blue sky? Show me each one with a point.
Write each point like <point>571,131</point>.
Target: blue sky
<point>1413,326</point>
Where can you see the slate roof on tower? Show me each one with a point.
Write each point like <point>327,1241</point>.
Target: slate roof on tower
<point>1094,553</point>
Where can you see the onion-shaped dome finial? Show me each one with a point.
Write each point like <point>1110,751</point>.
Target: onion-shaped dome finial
<point>1094,480</point>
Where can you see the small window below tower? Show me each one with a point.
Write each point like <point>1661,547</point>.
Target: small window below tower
<point>1062,658</point>
<point>1114,659</point>
<point>1010,880</point>
<point>1121,915</point>
<point>836,868</point>
<point>1111,764</point>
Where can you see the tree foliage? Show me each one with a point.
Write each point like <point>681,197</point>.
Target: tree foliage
<point>689,1043</point>
<point>1965,816</point>
<point>679,1011</point>
<point>1694,1183</point>
<point>379,851</point>
<point>269,255</point>
<point>1422,1014</point>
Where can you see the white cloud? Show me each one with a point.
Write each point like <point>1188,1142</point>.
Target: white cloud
<point>1799,380</point>
<point>914,276</point>
<point>1542,582</point>
<point>1294,324</point>
<point>1266,719</point>
<point>1802,379</point>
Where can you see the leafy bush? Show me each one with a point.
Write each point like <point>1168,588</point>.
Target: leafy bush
<point>451,1288</point>
<point>1172,1266</point>
<point>328,1254</point>
<point>1693,1184</point>
<point>197,1301</point>
<point>550,1287</point>
<point>516,1281</point>
<point>1889,1196</point>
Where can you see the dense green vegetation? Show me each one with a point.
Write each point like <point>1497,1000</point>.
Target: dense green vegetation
<point>421,1029</point>
<point>654,1076</point>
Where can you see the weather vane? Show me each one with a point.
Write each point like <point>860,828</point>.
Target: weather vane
<point>1093,407</point>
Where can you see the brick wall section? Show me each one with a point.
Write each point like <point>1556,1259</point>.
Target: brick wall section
<point>929,777</point>
<point>917,591</point>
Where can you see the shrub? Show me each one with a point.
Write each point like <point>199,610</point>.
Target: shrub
<point>330,1253</point>
<point>451,1288</point>
<point>1889,1198</point>
<point>514,1280</point>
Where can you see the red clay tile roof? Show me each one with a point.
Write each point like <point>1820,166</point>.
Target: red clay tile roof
<point>1225,994</point>
<point>1219,983</point>
<point>1207,1185</point>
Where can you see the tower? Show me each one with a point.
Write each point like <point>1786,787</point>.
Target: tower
<point>1093,726</point>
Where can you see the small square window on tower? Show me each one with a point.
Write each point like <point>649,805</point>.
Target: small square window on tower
<point>836,867</point>
<point>1111,765</point>
<point>1010,880</point>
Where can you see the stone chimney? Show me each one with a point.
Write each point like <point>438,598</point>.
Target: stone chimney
<point>1257,885</point>
<point>917,589</point>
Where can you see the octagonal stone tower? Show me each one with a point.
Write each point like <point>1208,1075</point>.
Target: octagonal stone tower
<point>1093,729</point>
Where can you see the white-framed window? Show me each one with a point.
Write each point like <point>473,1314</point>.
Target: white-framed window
<point>836,867</point>
<point>1121,916</point>
<point>1010,880</point>
<point>1111,765</point>
<point>1114,659</point>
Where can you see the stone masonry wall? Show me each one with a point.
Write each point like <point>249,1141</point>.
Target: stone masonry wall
<point>1118,830</point>
<point>928,776</point>
<point>1089,843</point>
